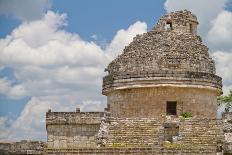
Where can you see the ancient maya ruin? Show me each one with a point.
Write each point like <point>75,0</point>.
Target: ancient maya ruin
<point>161,99</point>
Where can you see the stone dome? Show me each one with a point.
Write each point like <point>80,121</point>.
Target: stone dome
<point>170,54</point>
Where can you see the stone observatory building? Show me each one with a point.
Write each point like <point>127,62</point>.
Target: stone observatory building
<point>166,71</point>
<point>161,99</point>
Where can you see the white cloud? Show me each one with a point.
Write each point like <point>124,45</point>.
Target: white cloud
<point>31,122</point>
<point>28,10</point>
<point>220,35</point>
<point>224,65</point>
<point>4,132</point>
<point>124,37</point>
<point>58,69</point>
<point>219,39</point>
<point>10,90</point>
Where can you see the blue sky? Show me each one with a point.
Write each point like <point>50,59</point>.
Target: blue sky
<point>86,18</point>
<point>53,53</point>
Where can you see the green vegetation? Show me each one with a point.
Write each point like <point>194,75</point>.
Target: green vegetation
<point>186,114</point>
<point>170,145</point>
<point>115,145</point>
<point>118,145</point>
<point>227,100</point>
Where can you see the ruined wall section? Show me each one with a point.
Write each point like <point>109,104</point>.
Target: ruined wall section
<point>147,136</point>
<point>227,128</point>
<point>134,133</point>
<point>179,21</point>
<point>201,134</point>
<point>149,51</point>
<point>168,56</point>
<point>23,147</point>
<point>68,130</point>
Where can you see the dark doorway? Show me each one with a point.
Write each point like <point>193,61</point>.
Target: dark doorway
<point>171,108</point>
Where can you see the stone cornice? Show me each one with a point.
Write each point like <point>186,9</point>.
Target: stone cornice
<point>173,79</point>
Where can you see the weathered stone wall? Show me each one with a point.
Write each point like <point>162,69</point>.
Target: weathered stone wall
<point>68,130</point>
<point>138,136</point>
<point>181,21</point>
<point>23,147</point>
<point>227,127</point>
<point>160,49</point>
<point>161,56</point>
<point>194,133</point>
<point>135,132</point>
<point>129,150</point>
<point>151,102</point>
<point>201,134</point>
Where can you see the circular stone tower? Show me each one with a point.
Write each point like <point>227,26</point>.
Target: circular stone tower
<point>167,71</point>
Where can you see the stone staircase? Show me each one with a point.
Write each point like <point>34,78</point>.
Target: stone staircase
<point>133,132</point>
<point>201,134</point>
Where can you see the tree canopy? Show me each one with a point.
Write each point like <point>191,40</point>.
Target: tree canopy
<point>227,100</point>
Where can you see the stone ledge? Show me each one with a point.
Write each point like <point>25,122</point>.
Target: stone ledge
<point>131,150</point>
<point>111,82</point>
<point>59,118</point>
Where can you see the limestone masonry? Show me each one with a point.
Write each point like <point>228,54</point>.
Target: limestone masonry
<point>161,100</point>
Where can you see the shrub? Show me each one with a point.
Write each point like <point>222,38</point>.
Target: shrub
<point>186,114</point>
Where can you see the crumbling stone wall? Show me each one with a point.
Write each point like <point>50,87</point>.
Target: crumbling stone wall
<point>160,49</point>
<point>180,21</point>
<point>23,147</point>
<point>146,136</point>
<point>129,151</point>
<point>151,102</point>
<point>68,130</point>
<point>134,132</point>
<point>227,128</point>
<point>202,134</point>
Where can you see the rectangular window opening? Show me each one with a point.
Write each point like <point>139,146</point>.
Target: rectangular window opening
<point>168,26</point>
<point>191,28</point>
<point>171,108</point>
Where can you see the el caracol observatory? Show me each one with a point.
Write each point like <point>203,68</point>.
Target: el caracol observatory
<point>161,100</point>
<point>160,76</point>
<point>166,71</point>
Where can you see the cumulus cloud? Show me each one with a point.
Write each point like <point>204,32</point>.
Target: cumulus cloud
<point>220,35</point>
<point>58,69</point>
<point>224,65</point>
<point>3,129</point>
<point>124,37</point>
<point>31,122</point>
<point>28,10</point>
<point>11,91</point>
<point>219,39</point>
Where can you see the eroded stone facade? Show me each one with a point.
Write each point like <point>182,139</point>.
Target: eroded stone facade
<point>163,65</point>
<point>67,130</point>
<point>151,102</point>
<point>227,128</point>
<point>23,147</point>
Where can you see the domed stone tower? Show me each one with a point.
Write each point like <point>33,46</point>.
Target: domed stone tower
<point>166,71</point>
